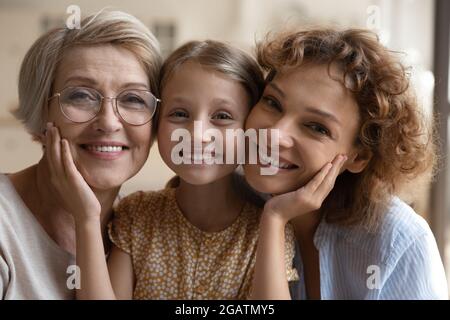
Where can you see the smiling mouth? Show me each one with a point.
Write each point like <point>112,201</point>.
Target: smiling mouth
<point>279,163</point>
<point>103,148</point>
<point>197,157</point>
<point>268,161</point>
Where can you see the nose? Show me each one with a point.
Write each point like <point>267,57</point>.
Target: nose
<point>201,131</point>
<point>107,120</point>
<point>284,127</point>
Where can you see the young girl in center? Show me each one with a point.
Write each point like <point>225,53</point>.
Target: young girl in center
<point>197,238</point>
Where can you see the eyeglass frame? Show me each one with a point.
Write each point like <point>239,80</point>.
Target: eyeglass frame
<point>115,107</point>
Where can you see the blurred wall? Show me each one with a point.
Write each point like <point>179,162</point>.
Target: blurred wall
<point>404,25</point>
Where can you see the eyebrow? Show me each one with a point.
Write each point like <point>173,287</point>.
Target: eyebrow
<point>225,102</point>
<point>180,100</point>
<point>324,114</point>
<point>276,88</point>
<point>216,101</point>
<point>313,110</point>
<point>93,82</point>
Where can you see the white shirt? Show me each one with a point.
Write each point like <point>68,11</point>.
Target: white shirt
<point>32,265</point>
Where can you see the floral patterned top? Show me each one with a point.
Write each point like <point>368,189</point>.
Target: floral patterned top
<point>173,259</point>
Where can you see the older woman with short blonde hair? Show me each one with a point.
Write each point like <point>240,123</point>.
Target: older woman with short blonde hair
<point>96,88</point>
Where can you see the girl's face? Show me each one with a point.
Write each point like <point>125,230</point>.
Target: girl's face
<point>317,119</point>
<point>106,150</point>
<point>195,93</point>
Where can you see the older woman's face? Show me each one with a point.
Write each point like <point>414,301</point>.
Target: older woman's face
<point>109,70</point>
<point>317,119</point>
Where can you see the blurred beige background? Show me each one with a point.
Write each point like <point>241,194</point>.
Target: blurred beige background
<point>403,25</point>
<point>240,22</point>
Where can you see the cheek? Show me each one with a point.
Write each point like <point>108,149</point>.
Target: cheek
<point>230,140</point>
<point>263,120</point>
<point>255,118</point>
<point>141,140</point>
<point>55,115</point>
<point>314,156</point>
<point>72,133</point>
<point>67,129</point>
<point>52,111</point>
<point>165,144</point>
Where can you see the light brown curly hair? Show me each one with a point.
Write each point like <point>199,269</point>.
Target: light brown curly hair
<point>393,130</point>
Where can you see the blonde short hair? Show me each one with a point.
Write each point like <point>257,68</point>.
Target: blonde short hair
<point>38,69</point>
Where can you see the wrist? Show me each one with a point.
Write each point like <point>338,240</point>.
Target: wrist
<point>273,217</point>
<point>87,221</point>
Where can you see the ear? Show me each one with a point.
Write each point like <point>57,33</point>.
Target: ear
<point>358,161</point>
<point>39,137</point>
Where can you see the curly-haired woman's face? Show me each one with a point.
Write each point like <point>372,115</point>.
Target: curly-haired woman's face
<point>317,118</point>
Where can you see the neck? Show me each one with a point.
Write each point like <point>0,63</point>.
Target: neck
<point>211,207</point>
<point>34,186</point>
<point>305,227</point>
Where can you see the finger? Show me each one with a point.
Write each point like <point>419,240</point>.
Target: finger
<point>47,145</point>
<point>49,148</point>
<point>328,182</point>
<point>316,181</point>
<point>67,160</point>
<point>56,152</point>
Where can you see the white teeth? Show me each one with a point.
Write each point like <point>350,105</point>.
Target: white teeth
<point>105,148</point>
<point>275,162</point>
<point>197,158</point>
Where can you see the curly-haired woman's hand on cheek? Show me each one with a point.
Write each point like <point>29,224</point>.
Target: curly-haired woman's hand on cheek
<point>309,197</point>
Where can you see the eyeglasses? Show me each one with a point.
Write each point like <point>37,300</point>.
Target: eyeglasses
<point>82,104</point>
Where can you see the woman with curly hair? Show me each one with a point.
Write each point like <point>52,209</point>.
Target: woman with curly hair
<point>351,135</point>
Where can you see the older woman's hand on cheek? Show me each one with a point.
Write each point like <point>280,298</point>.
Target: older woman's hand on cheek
<point>75,194</point>
<point>309,197</point>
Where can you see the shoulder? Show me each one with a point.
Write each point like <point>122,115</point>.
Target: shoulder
<point>137,215</point>
<point>11,205</point>
<point>6,199</point>
<point>411,252</point>
<point>146,203</point>
<point>400,227</point>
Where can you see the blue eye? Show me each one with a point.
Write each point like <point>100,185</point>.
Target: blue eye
<point>271,102</point>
